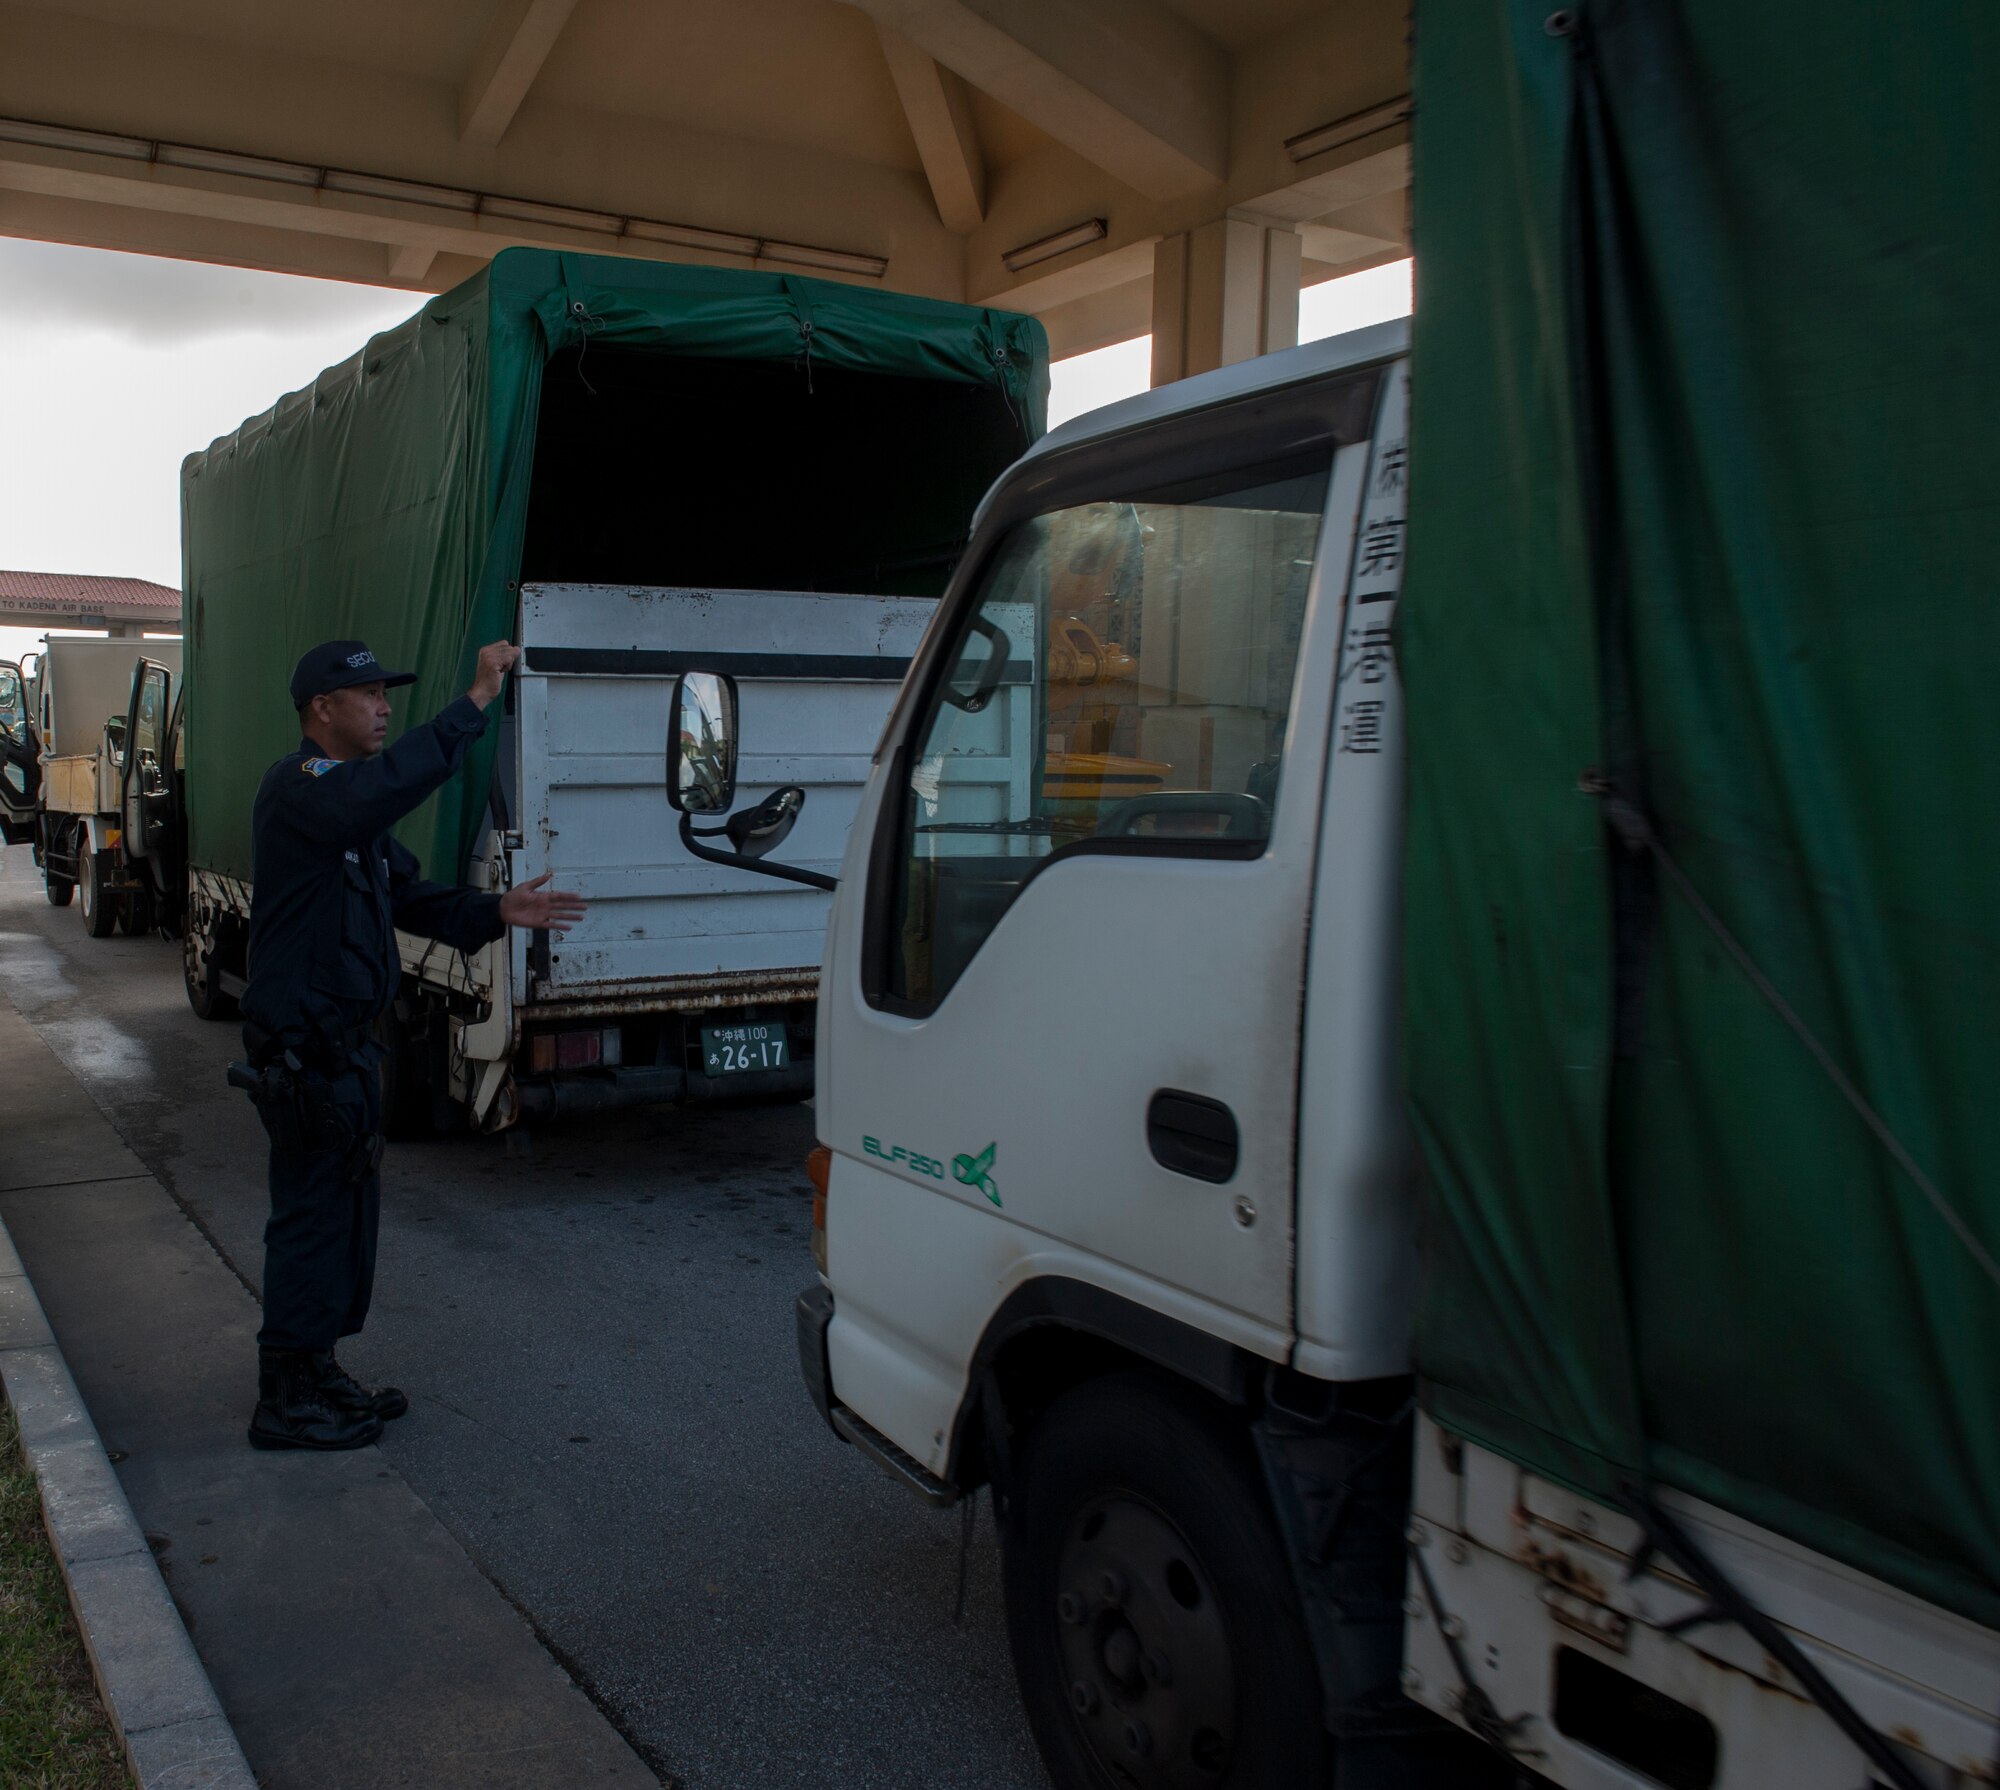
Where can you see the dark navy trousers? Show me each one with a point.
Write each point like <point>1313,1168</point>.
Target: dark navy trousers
<point>319,1244</point>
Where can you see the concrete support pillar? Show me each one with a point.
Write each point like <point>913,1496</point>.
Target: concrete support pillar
<point>1223,293</point>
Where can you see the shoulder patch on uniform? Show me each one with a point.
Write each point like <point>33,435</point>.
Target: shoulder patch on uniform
<point>318,767</point>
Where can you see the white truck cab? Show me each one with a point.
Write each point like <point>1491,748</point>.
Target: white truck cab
<point>1107,1065</point>
<point>1115,1209</point>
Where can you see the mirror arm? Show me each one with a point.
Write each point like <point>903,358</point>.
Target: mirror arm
<point>990,672</point>
<point>812,879</point>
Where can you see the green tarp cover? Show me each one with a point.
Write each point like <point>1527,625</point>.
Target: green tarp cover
<point>388,502</point>
<point>1706,504</point>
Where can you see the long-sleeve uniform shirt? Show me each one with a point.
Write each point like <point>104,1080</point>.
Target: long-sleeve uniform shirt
<point>329,886</point>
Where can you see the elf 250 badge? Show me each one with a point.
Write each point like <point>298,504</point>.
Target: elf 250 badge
<point>896,1156</point>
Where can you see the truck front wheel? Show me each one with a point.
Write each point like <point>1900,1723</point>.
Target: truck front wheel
<point>410,1073</point>
<point>57,888</point>
<point>1151,1613</point>
<point>198,971</point>
<point>100,915</point>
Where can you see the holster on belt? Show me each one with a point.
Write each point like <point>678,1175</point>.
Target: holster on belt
<point>299,1110</point>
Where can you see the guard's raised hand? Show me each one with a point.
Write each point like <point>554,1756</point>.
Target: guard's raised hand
<point>535,905</point>
<point>495,661</point>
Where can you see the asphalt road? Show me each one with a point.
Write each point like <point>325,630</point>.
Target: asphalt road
<point>597,1339</point>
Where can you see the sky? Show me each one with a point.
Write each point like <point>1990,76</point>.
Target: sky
<point>114,367</point>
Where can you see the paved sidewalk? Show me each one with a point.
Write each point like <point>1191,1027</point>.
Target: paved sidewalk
<point>161,1704</point>
<point>350,1639</point>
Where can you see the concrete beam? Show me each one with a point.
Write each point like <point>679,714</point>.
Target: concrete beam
<point>1334,247</point>
<point>187,238</point>
<point>410,261</point>
<point>1099,319</point>
<point>1127,84</point>
<point>1225,292</point>
<point>940,118</point>
<point>518,42</point>
<point>1095,301</point>
<point>1081,277</point>
<point>1355,175</point>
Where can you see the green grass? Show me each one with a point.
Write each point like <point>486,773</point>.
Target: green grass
<point>53,1730</point>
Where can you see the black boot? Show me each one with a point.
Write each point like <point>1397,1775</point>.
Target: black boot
<point>345,1393</point>
<point>294,1411</point>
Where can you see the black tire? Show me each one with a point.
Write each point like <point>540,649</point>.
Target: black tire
<point>100,911</point>
<point>135,913</point>
<point>58,889</point>
<point>1151,1611</point>
<point>407,1099</point>
<point>204,995</point>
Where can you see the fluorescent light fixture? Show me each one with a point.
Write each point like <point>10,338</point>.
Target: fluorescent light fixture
<point>222,161</point>
<point>686,236</point>
<point>500,207</point>
<point>1350,129</point>
<point>1046,248</point>
<point>563,217</point>
<point>799,254</point>
<point>404,192</point>
<point>60,136</point>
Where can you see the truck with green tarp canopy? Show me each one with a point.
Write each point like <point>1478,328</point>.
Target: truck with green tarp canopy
<point>1699,641</point>
<point>1703,927</point>
<point>606,460</point>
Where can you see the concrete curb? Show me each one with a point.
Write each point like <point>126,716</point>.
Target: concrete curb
<point>161,1703</point>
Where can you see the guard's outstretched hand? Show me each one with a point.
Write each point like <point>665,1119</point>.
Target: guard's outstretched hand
<point>535,905</point>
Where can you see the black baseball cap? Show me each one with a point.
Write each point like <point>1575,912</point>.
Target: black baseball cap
<point>338,665</point>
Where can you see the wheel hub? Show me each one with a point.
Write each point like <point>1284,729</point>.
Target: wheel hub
<point>1145,1648</point>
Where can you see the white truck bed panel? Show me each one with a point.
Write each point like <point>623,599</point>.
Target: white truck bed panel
<point>85,682</point>
<point>815,676</point>
<point>1517,1571</point>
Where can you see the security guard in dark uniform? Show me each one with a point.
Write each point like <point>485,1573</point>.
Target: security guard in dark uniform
<point>329,889</point>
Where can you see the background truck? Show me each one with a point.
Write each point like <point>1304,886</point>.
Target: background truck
<point>616,464</point>
<point>1469,1199</point>
<point>100,743</point>
<point>20,758</point>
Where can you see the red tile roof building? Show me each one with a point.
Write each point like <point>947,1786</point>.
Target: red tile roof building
<point>74,600</point>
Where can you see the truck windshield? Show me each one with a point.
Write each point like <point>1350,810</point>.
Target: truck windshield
<point>150,735</point>
<point>1123,681</point>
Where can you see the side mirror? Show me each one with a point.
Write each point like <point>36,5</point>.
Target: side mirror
<point>701,779</point>
<point>763,828</point>
<point>701,745</point>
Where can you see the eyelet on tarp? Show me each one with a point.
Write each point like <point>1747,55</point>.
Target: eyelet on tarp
<point>586,321</point>
<point>1000,365</point>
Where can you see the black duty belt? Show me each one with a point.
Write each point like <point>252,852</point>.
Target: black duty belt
<point>328,1056</point>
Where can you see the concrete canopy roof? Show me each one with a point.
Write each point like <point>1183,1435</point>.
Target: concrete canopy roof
<point>910,142</point>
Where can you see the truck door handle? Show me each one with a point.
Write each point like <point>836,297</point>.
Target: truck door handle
<point>1192,1135</point>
